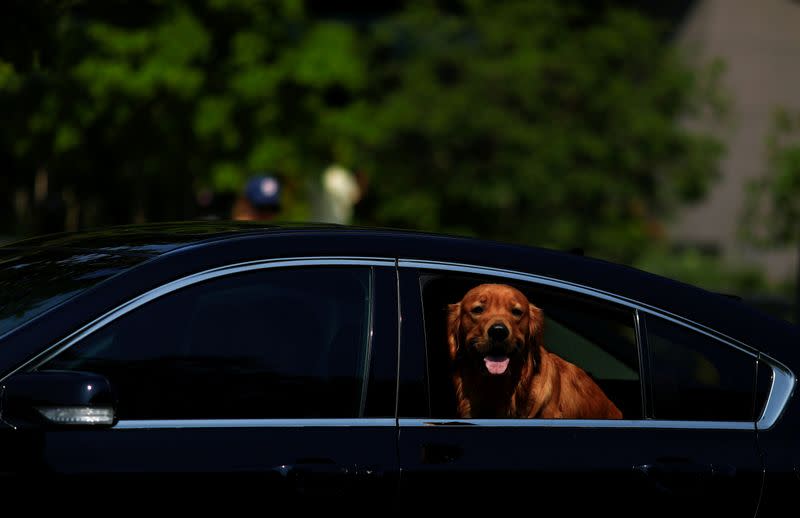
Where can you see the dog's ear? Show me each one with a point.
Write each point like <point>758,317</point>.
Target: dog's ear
<point>535,326</point>
<point>535,335</point>
<point>454,328</point>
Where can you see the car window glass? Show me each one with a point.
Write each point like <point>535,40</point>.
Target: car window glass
<point>593,335</point>
<point>695,377</point>
<point>36,280</point>
<point>273,343</point>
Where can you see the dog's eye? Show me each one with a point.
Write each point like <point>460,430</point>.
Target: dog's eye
<point>477,310</point>
<point>517,312</point>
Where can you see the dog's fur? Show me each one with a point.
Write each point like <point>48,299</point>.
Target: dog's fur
<point>535,383</point>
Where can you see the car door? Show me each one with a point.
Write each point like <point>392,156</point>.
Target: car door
<point>269,382</point>
<point>685,445</point>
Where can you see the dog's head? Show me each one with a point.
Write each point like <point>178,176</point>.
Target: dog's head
<point>493,328</point>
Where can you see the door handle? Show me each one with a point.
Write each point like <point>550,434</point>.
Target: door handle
<point>723,471</point>
<point>302,467</point>
<point>441,453</point>
<point>685,466</point>
<point>319,475</point>
<point>675,476</point>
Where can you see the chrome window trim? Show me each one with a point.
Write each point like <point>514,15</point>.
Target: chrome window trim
<point>783,383</point>
<point>644,369</point>
<point>654,424</point>
<point>783,378</point>
<point>170,424</point>
<point>585,290</point>
<point>399,338</point>
<point>184,282</point>
<point>362,405</point>
<point>781,390</point>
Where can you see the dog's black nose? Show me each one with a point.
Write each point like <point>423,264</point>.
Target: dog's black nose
<point>498,332</point>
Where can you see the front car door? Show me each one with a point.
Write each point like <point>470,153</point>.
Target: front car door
<point>686,443</point>
<point>268,382</point>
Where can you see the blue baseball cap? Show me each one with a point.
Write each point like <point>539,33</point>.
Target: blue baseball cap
<point>263,191</point>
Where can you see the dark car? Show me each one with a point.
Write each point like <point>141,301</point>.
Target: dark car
<point>218,363</point>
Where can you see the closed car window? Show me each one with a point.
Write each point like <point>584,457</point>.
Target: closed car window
<point>590,369</point>
<point>275,343</point>
<point>35,280</point>
<point>695,377</point>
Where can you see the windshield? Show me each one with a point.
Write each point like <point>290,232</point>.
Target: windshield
<point>35,280</point>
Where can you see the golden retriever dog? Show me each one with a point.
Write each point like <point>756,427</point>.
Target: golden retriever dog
<point>502,369</point>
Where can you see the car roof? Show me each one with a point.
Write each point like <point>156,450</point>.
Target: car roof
<point>150,239</point>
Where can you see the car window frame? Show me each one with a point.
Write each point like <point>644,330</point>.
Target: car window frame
<point>219,272</point>
<point>627,317</point>
<point>782,386</point>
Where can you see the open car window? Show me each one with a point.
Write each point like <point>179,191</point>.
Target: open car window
<point>595,336</point>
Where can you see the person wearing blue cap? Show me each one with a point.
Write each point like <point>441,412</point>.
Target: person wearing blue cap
<point>260,200</point>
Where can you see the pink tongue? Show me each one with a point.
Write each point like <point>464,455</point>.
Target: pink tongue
<point>496,364</point>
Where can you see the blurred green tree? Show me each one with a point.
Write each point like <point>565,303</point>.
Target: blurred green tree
<point>772,212</point>
<point>549,123</point>
<point>537,122</point>
<point>133,107</point>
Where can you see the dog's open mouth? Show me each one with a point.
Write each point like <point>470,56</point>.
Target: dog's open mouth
<point>496,364</point>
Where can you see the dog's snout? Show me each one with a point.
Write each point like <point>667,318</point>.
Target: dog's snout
<point>498,332</point>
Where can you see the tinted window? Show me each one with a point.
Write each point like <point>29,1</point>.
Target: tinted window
<point>33,281</point>
<point>596,336</point>
<point>268,344</point>
<point>601,339</point>
<point>695,377</point>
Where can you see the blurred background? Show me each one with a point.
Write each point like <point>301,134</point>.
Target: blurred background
<point>662,135</point>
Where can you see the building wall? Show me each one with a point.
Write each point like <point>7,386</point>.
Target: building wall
<point>759,41</point>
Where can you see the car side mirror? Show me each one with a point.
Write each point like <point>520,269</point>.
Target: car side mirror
<point>58,399</point>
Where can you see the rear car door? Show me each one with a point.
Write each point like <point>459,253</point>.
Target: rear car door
<point>265,382</point>
<point>686,443</point>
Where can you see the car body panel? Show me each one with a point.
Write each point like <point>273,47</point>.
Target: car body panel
<point>690,468</point>
<point>581,466</point>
